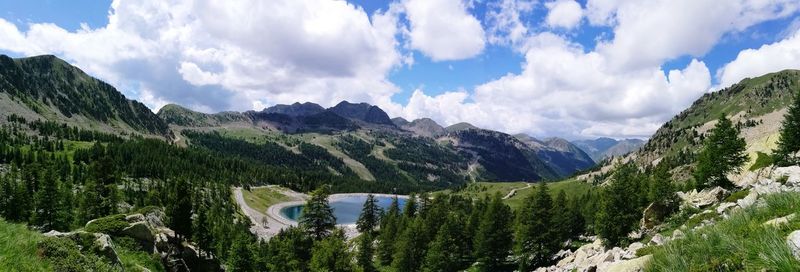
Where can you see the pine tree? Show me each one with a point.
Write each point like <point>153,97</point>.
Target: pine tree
<point>200,231</point>
<point>789,141</point>
<point>410,248</point>
<point>562,218</point>
<point>241,257</point>
<point>616,216</point>
<point>388,233</point>
<point>723,152</point>
<point>536,236</point>
<point>179,209</point>
<point>47,202</point>
<point>65,212</point>
<point>410,209</point>
<point>317,218</point>
<point>493,238</point>
<point>445,251</point>
<point>370,216</point>
<point>366,253</point>
<point>331,254</point>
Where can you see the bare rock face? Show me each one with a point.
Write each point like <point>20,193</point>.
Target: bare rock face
<point>139,231</point>
<point>704,198</point>
<point>777,222</point>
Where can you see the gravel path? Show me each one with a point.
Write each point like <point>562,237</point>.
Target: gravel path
<point>514,191</point>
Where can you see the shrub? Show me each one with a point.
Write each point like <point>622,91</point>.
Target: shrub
<point>762,160</point>
<point>65,255</point>
<point>112,224</point>
<point>783,179</point>
<point>646,250</point>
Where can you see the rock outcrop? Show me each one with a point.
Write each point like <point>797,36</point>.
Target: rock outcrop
<point>705,198</point>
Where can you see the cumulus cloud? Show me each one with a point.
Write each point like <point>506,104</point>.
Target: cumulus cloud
<point>504,24</point>
<point>564,13</point>
<point>444,29</point>
<point>225,55</point>
<point>647,33</point>
<point>564,91</point>
<point>784,54</point>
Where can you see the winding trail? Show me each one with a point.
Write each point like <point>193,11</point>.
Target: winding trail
<point>264,225</point>
<point>514,191</point>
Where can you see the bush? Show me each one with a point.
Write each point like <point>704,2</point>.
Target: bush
<point>646,250</point>
<point>65,255</point>
<point>112,225</point>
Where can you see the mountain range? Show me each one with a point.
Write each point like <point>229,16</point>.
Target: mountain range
<point>47,88</point>
<point>603,148</point>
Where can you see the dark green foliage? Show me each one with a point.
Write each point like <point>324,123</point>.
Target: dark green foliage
<point>317,218</point>
<point>410,248</point>
<point>65,255</point>
<point>762,160</point>
<point>447,250</point>
<point>536,239</point>
<point>723,153</point>
<point>179,208</point>
<point>493,239</point>
<point>389,231</point>
<point>366,252</point>
<point>789,142</point>
<point>241,257</point>
<point>370,216</point>
<point>109,225</point>
<point>331,255</point>
<point>618,212</point>
<point>290,250</point>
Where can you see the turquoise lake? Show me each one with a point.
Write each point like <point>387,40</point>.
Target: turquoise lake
<point>346,209</point>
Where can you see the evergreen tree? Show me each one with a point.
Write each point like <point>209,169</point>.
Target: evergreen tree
<point>241,256</point>
<point>201,234</point>
<point>370,216</point>
<point>445,252</point>
<point>493,238</point>
<point>410,209</point>
<point>365,253</point>
<point>410,248</point>
<point>616,216</point>
<point>331,254</point>
<point>789,141</point>
<point>46,204</point>
<point>388,234</point>
<point>537,238</point>
<point>290,250</point>
<point>562,218</point>
<point>179,209</point>
<point>64,211</point>
<point>317,218</point>
<point>723,152</point>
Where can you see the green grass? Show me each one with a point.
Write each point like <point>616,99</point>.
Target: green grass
<point>18,248</point>
<point>134,258</point>
<point>477,190</point>
<point>733,197</point>
<point>739,243</point>
<point>762,160</point>
<point>263,197</point>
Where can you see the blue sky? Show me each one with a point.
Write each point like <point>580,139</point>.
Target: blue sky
<point>572,69</point>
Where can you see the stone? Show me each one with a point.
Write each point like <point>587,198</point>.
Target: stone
<point>791,172</point>
<point>135,218</point>
<point>748,200</point>
<point>103,245</point>
<point>678,234</point>
<point>704,198</point>
<point>155,219</point>
<point>139,231</point>
<point>630,252</point>
<point>724,207</point>
<point>779,221</point>
<point>632,265</point>
<point>793,240</point>
<point>658,239</point>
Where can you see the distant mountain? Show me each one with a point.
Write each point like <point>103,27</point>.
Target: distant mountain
<point>562,156</point>
<point>295,109</point>
<point>400,121</point>
<point>362,112</point>
<point>460,126</point>
<point>48,88</point>
<point>425,127</point>
<point>602,148</point>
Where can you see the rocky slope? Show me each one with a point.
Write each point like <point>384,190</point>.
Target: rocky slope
<point>603,148</point>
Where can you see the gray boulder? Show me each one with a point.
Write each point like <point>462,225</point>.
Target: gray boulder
<point>793,240</point>
<point>139,231</point>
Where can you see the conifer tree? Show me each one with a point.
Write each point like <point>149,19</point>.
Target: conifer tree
<point>388,233</point>
<point>493,238</point>
<point>723,152</point>
<point>410,209</point>
<point>317,218</point>
<point>331,254</point>
<point>46,204</point>
<point>65,210</point>
<point>536,236</point>
<point>445,251</point>
<point>179,209</point>
<point>370,216</point>
<point>616,217</point>
<point>241,256</point>
<point>789,141</point>
<point>201,234</point>
<point>410,248</point>
<point>366,253</point>
<point>561,218</point>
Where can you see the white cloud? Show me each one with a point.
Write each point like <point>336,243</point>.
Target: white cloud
<point>647,33</point>
<point>444,29</point>
<point>784,54</point>
<point>564,13</point>
<point>563,90</point>
<point>225,55</point>
<point>504,24</point>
